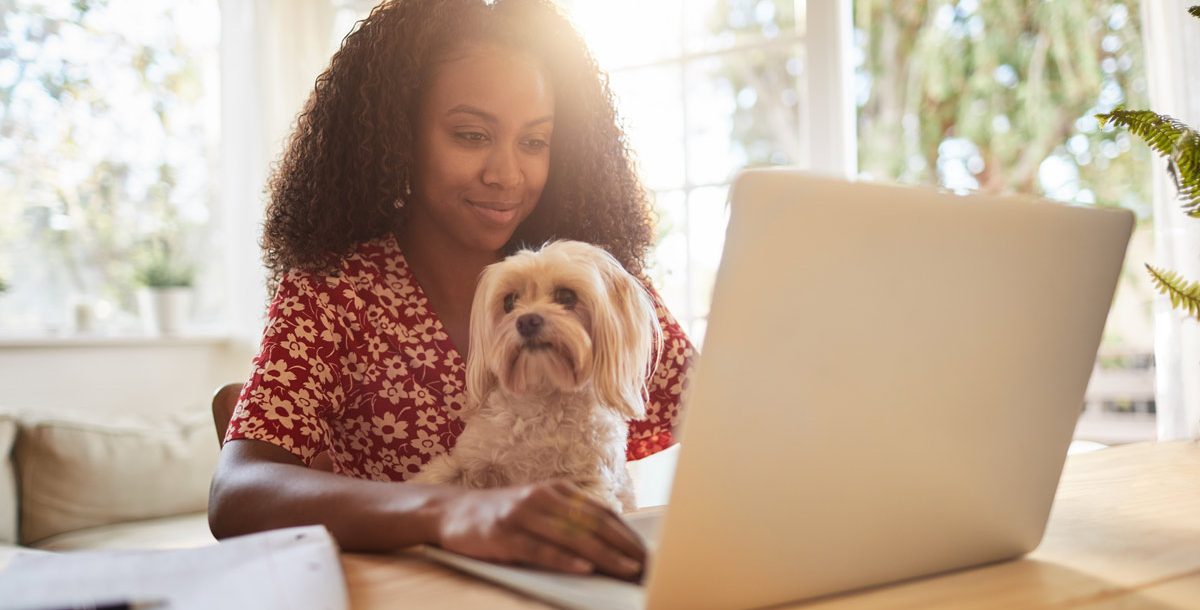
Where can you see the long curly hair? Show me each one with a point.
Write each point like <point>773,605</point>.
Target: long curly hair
<point>350,154</point>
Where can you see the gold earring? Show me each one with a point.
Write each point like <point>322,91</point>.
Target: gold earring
<point>399,203</point>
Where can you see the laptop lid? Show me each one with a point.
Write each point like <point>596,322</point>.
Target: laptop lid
<point>888,386</point>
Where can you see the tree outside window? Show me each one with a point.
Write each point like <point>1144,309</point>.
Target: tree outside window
<point>1000,96</point>
<point>107,117</point>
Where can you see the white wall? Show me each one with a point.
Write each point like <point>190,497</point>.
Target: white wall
<point>140,377</point>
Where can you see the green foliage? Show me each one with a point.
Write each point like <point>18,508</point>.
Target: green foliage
<point>124,157</point>
<point>984,92</point>
<point>1183,294</point>
<point>1172,139</point>
<point>762,80</point>
<point>3,286</point>
<point>1180,145</point>
<point>161,267</point>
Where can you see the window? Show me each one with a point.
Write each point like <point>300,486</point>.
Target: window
<point>1001,97</point>
<point>108,114</point>
<point>709,87</point>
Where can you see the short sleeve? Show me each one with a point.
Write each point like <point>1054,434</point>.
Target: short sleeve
<point>667,386</point>
<point>299,379</point>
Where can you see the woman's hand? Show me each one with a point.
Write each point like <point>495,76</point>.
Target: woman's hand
<point>550,525</point>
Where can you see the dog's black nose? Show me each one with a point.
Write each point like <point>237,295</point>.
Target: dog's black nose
<point>529,324</point>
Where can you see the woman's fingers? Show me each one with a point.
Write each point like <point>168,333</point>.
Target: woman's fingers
<point>560,514</point>
<point>556,527</point>
<point>532,550</point>
<point>577,539</point>
<point>597,517</point>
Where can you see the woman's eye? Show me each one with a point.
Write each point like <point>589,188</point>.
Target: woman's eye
<point>510,301</point>
<point>471,137</point>
<point>565,297</point>
<point>537,145</point>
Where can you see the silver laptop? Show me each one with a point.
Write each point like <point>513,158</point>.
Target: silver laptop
<point>889,383</point>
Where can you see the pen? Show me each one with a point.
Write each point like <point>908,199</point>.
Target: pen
<point>117,605</point>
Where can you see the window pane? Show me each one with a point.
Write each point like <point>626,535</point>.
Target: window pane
<point>625,33</point>
<point>1001,97</point>
<point>743,110</point>
<point>107,114</point>
<point>708,215</point>
<point>668,265</point>
<point>651,109</point>
<point>720,24</point>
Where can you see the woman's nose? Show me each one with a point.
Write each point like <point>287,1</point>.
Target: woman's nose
<point>502,169</point>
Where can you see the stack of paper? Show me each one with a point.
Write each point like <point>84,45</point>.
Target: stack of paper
<point>289,568</point>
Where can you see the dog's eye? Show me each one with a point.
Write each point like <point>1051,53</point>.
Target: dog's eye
<point>565,297</point>
<point>510,301</point>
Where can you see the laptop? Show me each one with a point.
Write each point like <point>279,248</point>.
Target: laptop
<point>887,390</point>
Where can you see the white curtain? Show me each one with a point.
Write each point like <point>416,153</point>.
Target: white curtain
<point>271,54</point>
<point>1172,38</point>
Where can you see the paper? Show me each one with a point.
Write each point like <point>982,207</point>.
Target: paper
<point>566,590</point>
<point>288,568</point>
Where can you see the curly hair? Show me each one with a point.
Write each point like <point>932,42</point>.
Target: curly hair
<point>349,156</point>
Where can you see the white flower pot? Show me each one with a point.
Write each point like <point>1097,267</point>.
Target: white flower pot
<point>165,311</point>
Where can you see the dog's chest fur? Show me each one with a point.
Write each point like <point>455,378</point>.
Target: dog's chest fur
<point>523,440</point>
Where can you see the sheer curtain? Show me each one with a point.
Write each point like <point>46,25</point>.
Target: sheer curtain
<point>271,54</point>
<point>1173,62</point>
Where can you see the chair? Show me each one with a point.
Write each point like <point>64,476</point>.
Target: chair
<point>223,402</point>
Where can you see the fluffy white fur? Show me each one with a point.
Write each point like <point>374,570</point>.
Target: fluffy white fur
<point>554,403</point>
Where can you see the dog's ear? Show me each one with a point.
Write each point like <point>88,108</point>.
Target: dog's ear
<point>626,333</point>
<point>480,380</point>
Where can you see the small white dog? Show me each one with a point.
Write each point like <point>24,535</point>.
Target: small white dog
<point>560,352</point>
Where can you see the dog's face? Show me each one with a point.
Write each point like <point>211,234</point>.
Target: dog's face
<point>565,318</point>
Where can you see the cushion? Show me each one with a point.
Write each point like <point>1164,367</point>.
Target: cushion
<point>8,480</point>
<point>75,472</point>
<point>178,532</point>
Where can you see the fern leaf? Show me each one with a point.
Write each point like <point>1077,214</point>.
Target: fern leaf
<point>1159,131</point>
<point>1183,294</point>
<point>1185,170</point>
<point>1194,11</point>
<point>1172,139</point>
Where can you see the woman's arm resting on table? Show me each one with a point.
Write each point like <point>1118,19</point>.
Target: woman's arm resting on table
<point>259,486</point>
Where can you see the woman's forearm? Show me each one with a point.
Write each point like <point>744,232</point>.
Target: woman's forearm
<point>550,524</point>
<point>259,487</point>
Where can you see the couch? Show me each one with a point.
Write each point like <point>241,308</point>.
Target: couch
<point>76,481</point>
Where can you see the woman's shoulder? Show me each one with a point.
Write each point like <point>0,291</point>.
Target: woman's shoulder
<point>366,263</point>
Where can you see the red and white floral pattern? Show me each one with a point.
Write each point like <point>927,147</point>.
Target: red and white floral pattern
<point>356,364</point>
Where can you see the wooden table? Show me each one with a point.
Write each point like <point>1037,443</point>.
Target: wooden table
<point>1124,533</point>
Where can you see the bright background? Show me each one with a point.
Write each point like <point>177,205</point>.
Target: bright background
<point>134,131</point>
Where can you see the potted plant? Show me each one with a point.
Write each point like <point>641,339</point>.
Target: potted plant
<point>1180,145</point>
<point>165,296</point>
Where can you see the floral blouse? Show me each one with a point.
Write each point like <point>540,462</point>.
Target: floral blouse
<point>356,364</point>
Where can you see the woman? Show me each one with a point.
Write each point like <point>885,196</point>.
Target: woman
<point>444,134</point>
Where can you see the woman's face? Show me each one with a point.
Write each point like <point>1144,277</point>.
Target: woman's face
<point>483,134</point>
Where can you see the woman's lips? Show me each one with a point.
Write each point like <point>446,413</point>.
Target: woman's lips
<point>493,212</point>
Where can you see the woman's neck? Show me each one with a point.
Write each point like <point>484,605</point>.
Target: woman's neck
<point>446,271</point>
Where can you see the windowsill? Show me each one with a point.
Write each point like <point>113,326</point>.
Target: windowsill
<point>187,339</point>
